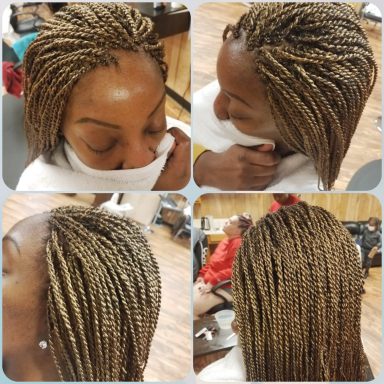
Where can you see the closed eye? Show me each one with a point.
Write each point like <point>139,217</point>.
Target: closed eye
<point>234,117</point>
<point>156,132</point>
<point>100,151</point>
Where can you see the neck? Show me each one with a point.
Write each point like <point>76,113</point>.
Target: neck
<point>232,236</point>
<point>31,366</point>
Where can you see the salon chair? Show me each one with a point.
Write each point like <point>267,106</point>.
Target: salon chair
<point>200,251</point>
<point>226,304</point>
<point>182,228</point>
<point>23,21</point>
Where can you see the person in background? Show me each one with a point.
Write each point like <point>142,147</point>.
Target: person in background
<point>370,243</point>
<point>219,267</point>
<point>283,199</point>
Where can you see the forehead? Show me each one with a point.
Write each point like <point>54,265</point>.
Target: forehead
<point>28,236</point>
<point>136,75</point>
<point>234,219</point>
<point>236,71</point>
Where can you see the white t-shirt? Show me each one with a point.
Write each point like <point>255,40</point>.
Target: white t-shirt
<point>229,368</point>
<point>295,172</point>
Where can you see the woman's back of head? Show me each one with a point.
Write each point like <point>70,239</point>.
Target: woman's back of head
<point>319,70</point>
<point>296,285</point>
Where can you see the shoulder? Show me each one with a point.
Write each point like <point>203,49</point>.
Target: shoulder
<point>34,177</point>
<point>236,242</point>
<point>206,94</point>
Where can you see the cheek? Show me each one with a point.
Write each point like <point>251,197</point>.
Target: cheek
<point>261,124</point>
<point>24,312</point>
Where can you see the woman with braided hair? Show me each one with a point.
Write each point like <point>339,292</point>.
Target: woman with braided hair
<point>296,294</point>
<point>293,80</point>
<point>81,297</point>
<point>95,105</point>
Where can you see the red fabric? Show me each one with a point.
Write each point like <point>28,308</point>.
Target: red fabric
<point>12,79</point>
<point>275,206</point>
<point>219,267</point>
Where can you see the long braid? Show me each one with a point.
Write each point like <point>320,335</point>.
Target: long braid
<point>77,39</point>
<point>104,295</point>
<point>296,288</point>
<point>319,70</point>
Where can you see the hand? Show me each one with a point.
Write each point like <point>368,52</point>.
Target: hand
<point>208,287</point>
<point>177,171</point>
<point>238,168</point>
<point>204,288</point>
<point>234,327</point>
<point>199,280</point>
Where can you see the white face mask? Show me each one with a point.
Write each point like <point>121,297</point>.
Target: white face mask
<point>229,130</point>
<point>142,178</point>
<point>371,228</point>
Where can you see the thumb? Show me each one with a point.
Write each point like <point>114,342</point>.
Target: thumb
<point>265,148</point>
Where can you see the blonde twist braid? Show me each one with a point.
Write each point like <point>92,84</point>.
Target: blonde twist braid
<point>319,70</point>
<point>76,40</point>
<point>296,287</point>
<point>103,298</point>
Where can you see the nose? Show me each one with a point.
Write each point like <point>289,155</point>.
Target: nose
<point>137,155</point>
<point>220,106</point>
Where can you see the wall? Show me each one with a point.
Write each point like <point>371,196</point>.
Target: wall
<point>345,206</point>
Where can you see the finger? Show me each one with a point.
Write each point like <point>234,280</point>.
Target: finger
<point>262,181</point>
<point>260,158</point>
<point>259,183</point>
<point>259,170</point>
<point>179,135</point>
<point>170,152</point>
<point>265,148</point>
<point>179,162</point>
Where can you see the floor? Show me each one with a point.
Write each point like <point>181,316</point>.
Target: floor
<point>209,22</point>
<point>170,354</point>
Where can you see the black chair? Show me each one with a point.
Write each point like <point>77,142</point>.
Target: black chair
<point>226,304</point>
<point>25,25</point>
<point>200,251</point>
<point>353,228</point>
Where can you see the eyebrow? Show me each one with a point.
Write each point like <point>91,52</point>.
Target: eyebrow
<point>105,124</point>
<point>12,240</point>
<point>237,98</point>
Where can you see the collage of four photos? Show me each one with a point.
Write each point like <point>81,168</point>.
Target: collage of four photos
<point>191,192</point>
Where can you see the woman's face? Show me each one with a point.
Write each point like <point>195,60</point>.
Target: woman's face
<point>115,116</point>
<point>231,226</point>
<point>243,98</point>
<point>25,285</point>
